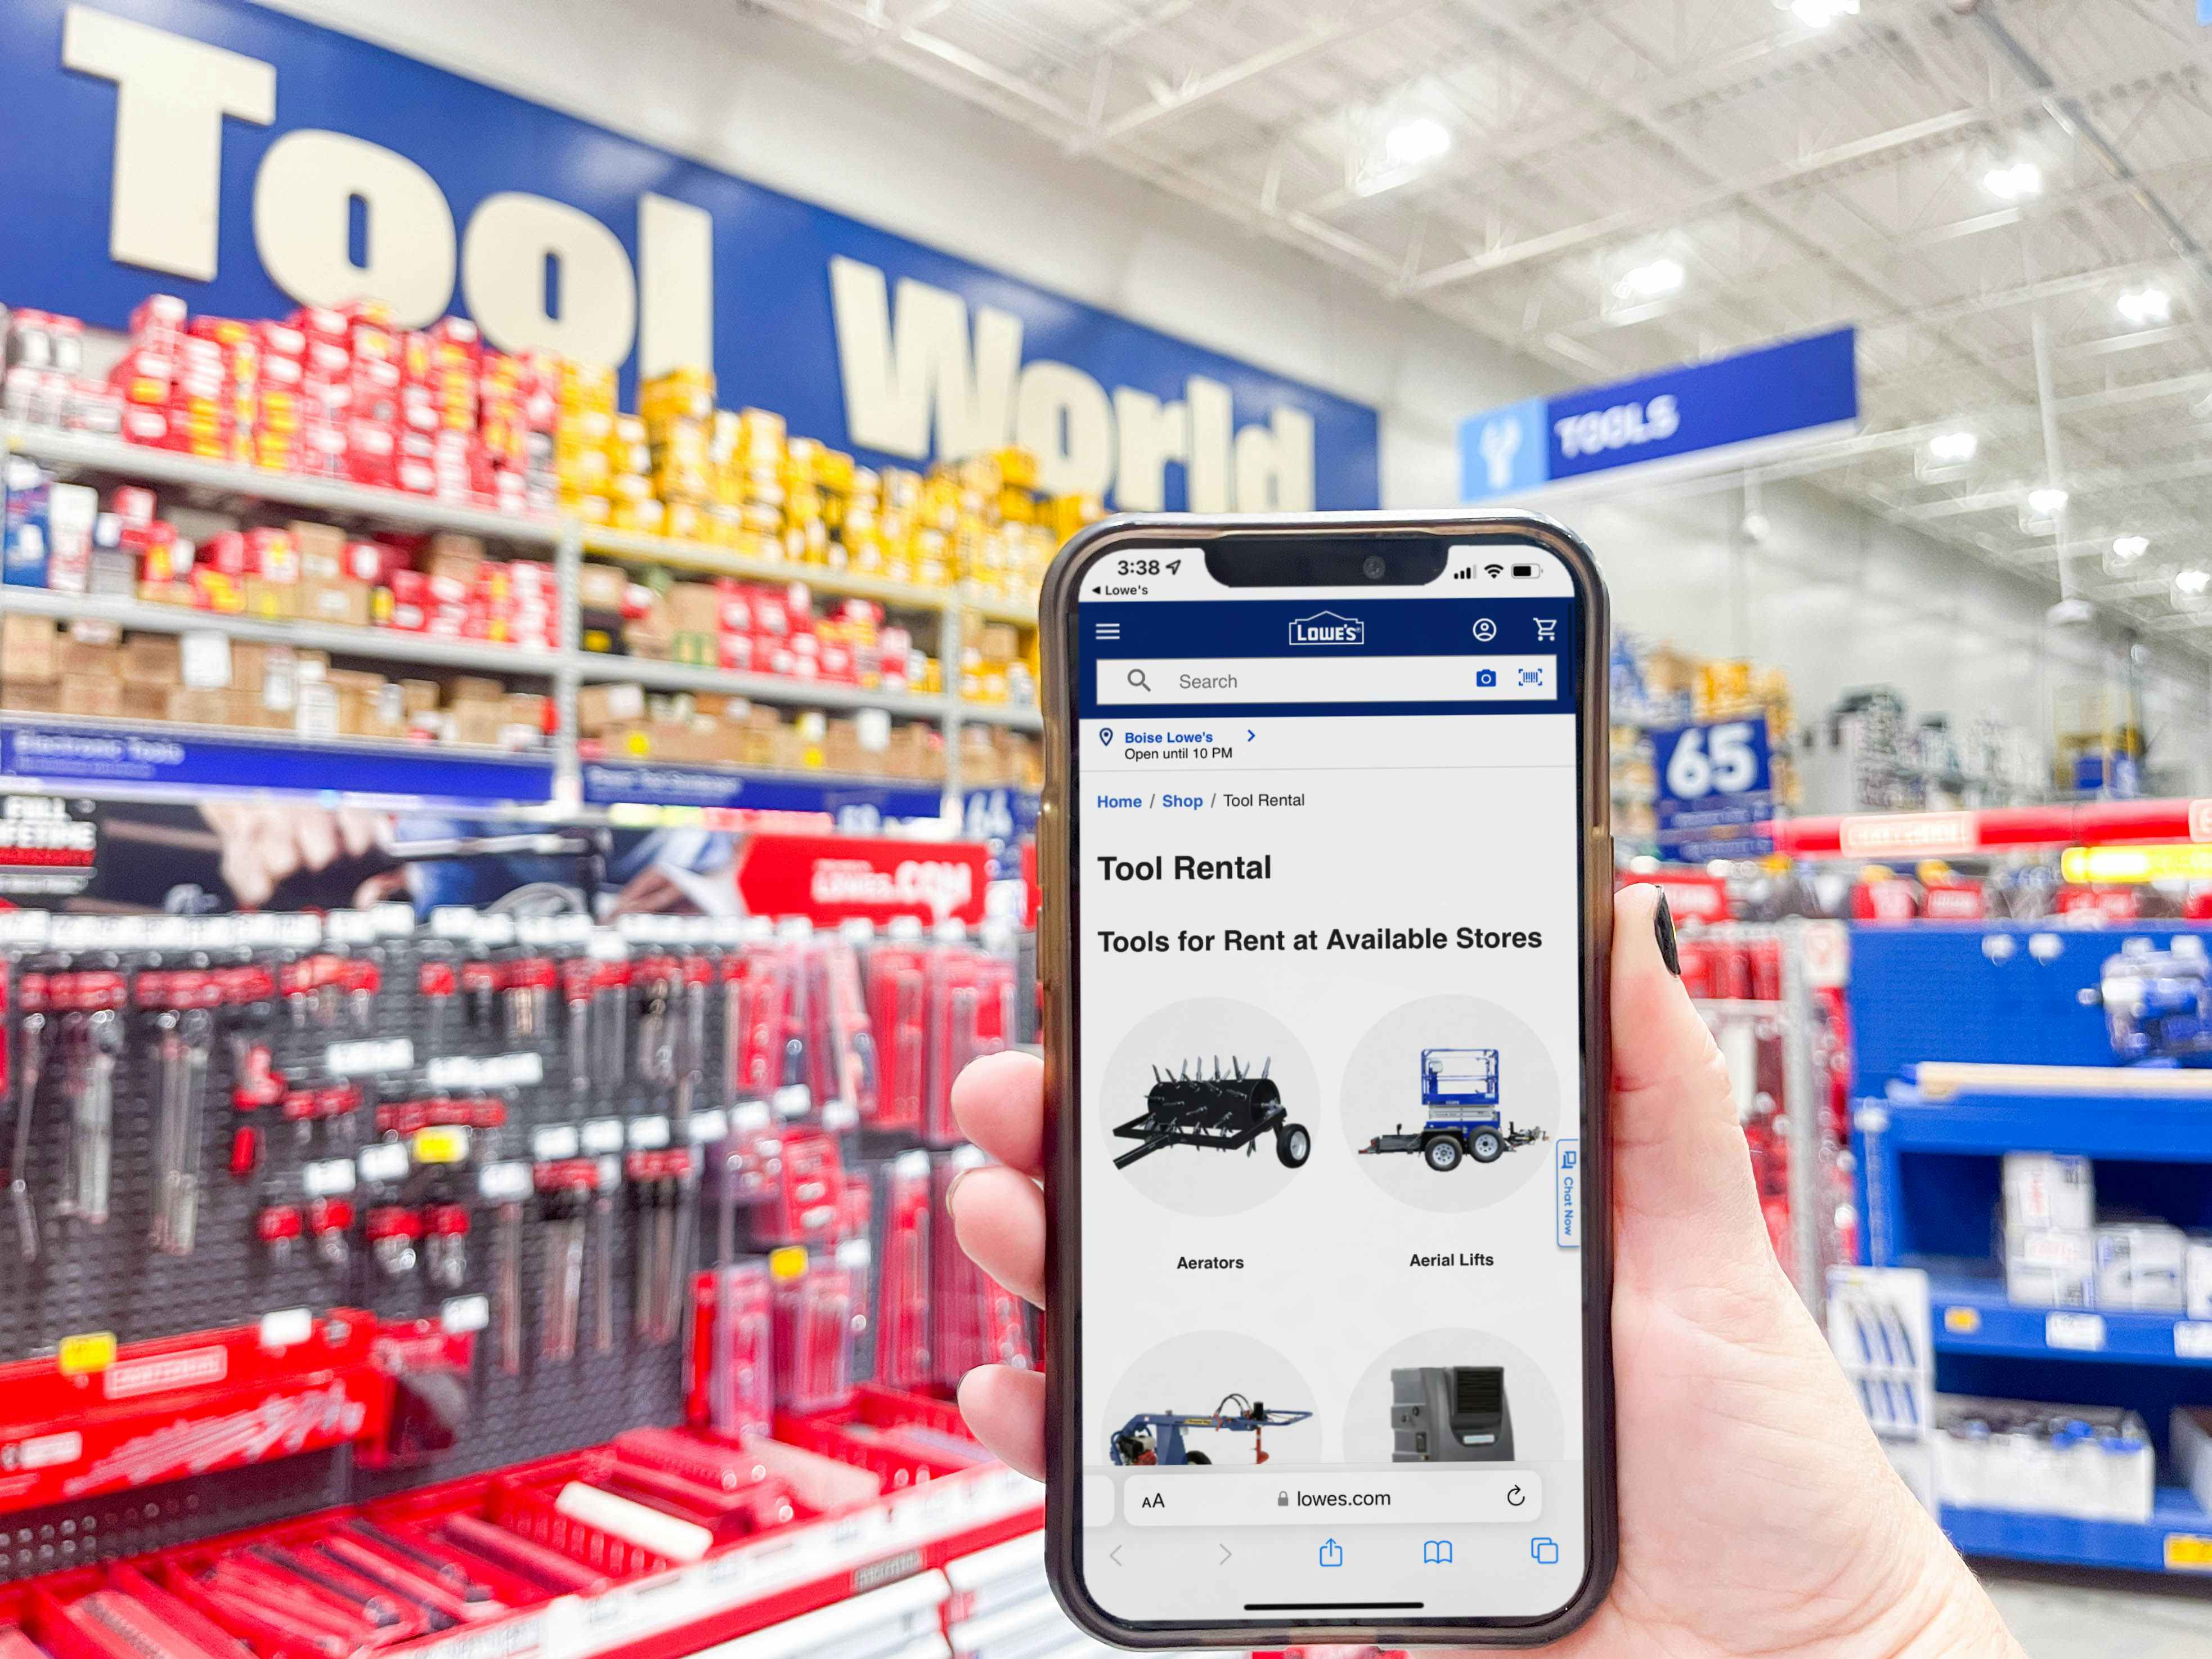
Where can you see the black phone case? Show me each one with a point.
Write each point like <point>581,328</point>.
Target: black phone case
<point>1057,932</point>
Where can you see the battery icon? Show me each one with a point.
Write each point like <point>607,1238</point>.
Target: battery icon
<point>1524,570</point>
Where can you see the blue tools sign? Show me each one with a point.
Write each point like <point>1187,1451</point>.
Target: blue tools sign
<point>1716,785</point>
<point>249,161</point>
<point>1799,388</point>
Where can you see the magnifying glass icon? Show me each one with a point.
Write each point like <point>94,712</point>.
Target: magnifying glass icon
<point>1137,679</point>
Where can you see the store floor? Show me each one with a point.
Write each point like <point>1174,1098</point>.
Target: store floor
<point>2060,1616</point>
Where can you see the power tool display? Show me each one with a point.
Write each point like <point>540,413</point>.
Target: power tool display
<point>1459,1090</point>
<point>1226,1111</point>
<point>1450,1415</point>
<point>2157,1004</point>
<point>1153,1437</point>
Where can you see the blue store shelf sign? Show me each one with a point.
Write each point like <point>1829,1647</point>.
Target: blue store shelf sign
<point>1717,411</point>
<point>855,805</point>
<point>1716,784</point>
<point>249,161</point>
<point>64,755</point>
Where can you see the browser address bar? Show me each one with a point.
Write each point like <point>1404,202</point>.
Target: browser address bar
<point>1137,681</point>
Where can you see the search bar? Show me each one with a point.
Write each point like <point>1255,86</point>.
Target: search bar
<point>1140,680</point>
<point>1424,1498</point>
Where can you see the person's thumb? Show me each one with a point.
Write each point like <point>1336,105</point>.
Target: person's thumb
<point>1684,1200</point>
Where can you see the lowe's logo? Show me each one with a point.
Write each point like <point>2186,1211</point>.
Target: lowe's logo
<point>1327,628</point>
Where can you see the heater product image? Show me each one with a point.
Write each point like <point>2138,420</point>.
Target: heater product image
<point>1227,1111</point>
<point>1459,1093</point>
<point>1155,1438</point>
<point>1450,1415</point>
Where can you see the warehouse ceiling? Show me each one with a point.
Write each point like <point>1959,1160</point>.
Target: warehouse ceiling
<point>2011,200</point>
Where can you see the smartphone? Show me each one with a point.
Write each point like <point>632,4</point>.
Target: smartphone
<point>1328,875</point>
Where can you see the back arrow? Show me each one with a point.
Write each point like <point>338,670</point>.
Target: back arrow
<point>1115,1555</point>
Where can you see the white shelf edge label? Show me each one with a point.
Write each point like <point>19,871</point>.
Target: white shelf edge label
<point>2084,1333</point>
<point>2192,1339</point>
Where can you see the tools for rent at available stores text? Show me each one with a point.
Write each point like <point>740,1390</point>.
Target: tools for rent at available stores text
<point>1460,1092</point>
<point>1227,1111</point>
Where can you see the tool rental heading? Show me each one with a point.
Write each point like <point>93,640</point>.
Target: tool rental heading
<point>1187,868</point>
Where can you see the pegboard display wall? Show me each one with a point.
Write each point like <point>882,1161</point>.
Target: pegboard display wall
<point>373,1125</point>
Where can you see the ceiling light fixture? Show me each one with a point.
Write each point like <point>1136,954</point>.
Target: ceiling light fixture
<point>1652,280</point>
<point>2046,500</point>
<point>2126,549</point>
<point>2141,307</point>
<point>1818,14</point>
<point>2013,183</point>
<point>2192,590</point>
<point>1417,139</point>
<point>1953,448</point>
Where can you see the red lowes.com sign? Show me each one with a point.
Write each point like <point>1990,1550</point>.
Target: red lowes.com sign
<point>833,878</point>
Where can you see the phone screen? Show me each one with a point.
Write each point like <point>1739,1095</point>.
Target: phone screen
<point>1327,853</point>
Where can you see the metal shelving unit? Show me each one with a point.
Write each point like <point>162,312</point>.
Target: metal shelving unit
<point>567,544</point>
<point>74,453</point>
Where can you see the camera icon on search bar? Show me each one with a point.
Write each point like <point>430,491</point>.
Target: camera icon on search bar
<point>1486,678</point>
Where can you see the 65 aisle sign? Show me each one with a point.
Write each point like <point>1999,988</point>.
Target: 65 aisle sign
<point>1715,783</point>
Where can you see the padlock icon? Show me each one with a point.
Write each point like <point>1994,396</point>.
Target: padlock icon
<point>1282,1500</point>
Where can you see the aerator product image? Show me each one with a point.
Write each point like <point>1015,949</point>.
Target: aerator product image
<point>1450,1415</point>
<point>1459,1090</point>
<point>1227,1111</point>
<point>1153,1438</point>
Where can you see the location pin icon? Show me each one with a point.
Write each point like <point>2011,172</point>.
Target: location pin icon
<point>1105,734</point>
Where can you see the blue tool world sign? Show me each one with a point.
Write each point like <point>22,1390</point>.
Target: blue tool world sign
<point>1797,388</point>
<point>251,161</point>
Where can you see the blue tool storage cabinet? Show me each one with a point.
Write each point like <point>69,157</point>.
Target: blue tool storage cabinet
<point>1929,1172</point>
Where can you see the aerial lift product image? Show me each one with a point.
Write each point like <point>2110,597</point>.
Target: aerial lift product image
<point>1450,1415</point>
<point>1459,1090</point>
<point>1152,1438</point>
<point>1228,1112</point>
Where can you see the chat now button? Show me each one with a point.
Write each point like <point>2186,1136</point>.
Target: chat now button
<point>1208,1497</point>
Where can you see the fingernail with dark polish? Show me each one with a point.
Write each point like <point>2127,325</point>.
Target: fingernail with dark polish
<point>1662,921</point>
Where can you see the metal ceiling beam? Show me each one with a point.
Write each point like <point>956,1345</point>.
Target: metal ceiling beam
<point>1205,89</point>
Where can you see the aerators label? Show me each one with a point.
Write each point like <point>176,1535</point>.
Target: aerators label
<point>133,1379</point>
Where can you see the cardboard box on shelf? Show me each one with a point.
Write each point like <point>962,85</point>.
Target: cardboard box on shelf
<point>84,658</point>
<point>477,688</point>
<point>2051,1267</point>
<point>2197,1276</point>
<point>693,608</point>
<point>92,693</point>
<point>601,587</point>
<point>478,721</point>
<point>31,696</point>
<point>526,708</point>
<point>2139,1265</point>
<point>419,696</point>
<point>599,707</point>
<point>30,648</point>
<point>149,660</point>
<point>343,602</point>
<point>320,550</point>
<point>2042,1189</point>
<point>145,702</point>
<point>195,706</point>
<point>275,601</point>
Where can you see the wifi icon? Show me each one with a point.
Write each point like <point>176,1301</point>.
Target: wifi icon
<point>1493,571</point>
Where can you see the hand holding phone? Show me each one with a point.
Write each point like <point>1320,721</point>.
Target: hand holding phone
<point>1754,1502</point>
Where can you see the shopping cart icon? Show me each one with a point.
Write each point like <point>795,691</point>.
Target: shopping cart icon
<point>1548,629</point>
